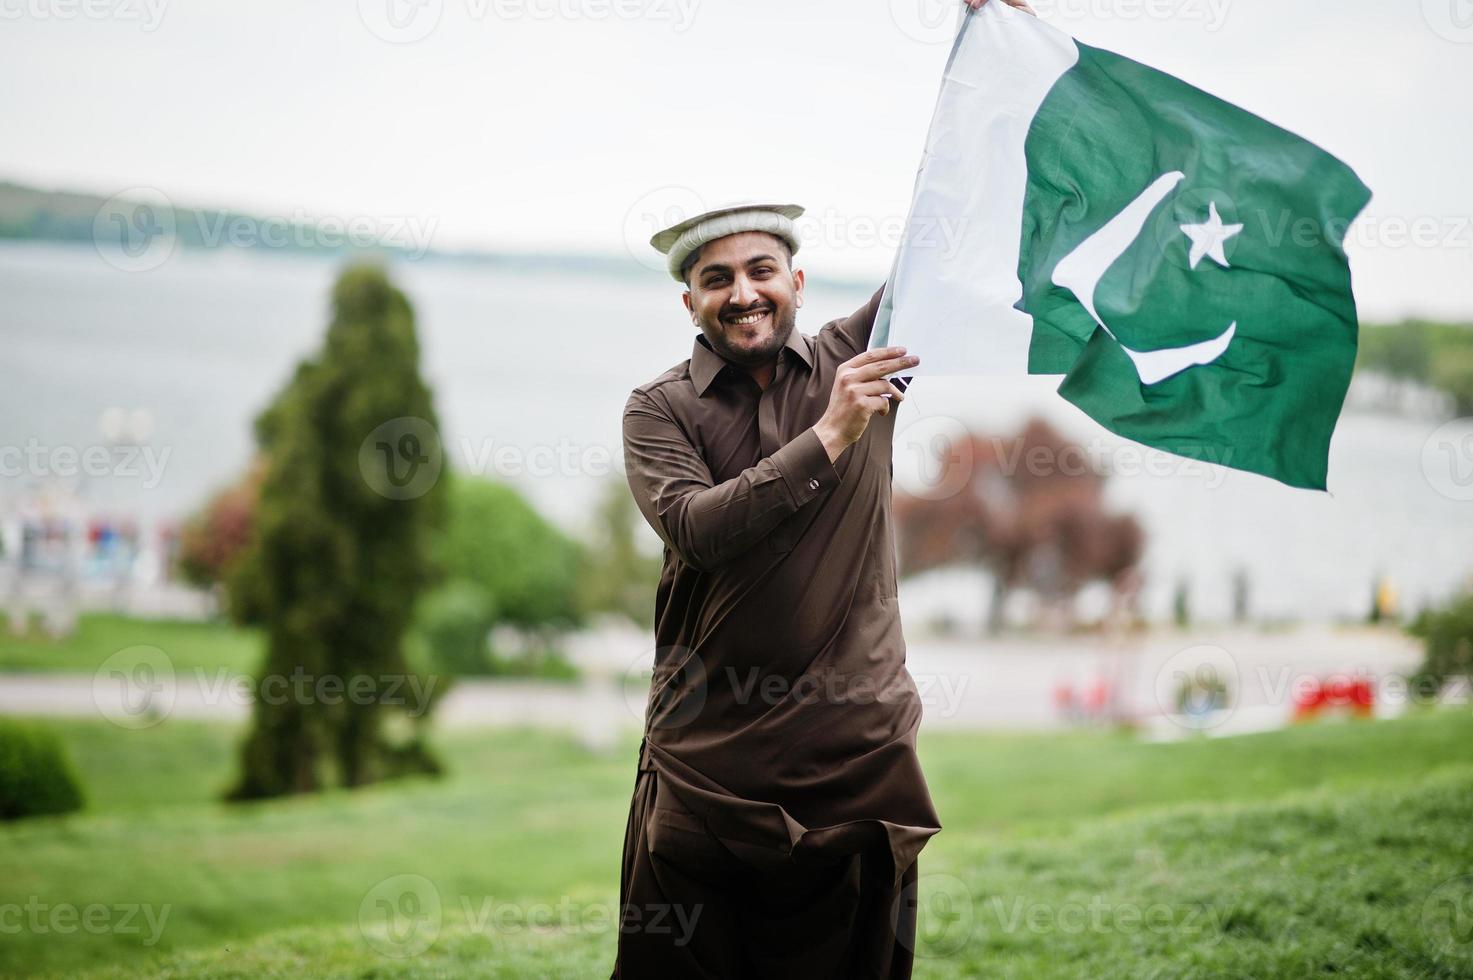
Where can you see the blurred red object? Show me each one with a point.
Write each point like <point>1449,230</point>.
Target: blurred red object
<point>1336,694</point>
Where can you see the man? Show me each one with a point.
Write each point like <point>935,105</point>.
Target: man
<point>779,807</point>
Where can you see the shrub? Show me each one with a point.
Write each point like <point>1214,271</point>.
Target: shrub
<point>35,775</point>
<point>1448,636</point>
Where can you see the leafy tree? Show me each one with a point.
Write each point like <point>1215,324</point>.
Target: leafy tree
<point>1438,354</point>
<point>213,539</point>
<point>617,575</point>
<point>1030,509</point>
<point>341,549</point>
<point>526,567</point>
<point>1448,637</point>
<point>503,565</point>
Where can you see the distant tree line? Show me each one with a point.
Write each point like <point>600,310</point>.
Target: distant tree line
<point>1436,354</point>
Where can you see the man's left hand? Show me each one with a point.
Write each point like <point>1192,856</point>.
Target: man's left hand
<point>1020,4</point>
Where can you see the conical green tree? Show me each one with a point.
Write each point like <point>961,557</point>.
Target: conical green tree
<point>340,551</point>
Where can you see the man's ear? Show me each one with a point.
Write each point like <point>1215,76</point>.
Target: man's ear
<point>689,307</point>
<point>798,287</point>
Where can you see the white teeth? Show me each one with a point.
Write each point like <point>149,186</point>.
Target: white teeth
<point>749,318</point>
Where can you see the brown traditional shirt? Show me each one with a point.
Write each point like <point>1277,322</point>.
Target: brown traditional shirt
<point>781,716</point>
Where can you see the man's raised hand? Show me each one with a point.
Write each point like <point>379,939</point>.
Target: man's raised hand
<point>860,391</point>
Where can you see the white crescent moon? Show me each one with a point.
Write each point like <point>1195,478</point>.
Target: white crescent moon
<point>1081,270</point>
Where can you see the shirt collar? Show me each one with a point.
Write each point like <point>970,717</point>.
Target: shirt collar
<point>705,363</point>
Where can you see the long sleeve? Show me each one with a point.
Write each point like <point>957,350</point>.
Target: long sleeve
<point>706,524</point>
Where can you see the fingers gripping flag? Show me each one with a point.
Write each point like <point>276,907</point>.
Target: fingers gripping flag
<point>1178,260</point>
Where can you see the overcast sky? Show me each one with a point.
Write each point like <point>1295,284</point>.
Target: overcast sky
<point>576,124</point>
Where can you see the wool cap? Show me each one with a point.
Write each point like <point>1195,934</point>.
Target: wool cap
<point>680,240</point>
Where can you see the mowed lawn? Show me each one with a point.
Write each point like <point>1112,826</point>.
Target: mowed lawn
<point>202,648</point>
<point>1337,849</point>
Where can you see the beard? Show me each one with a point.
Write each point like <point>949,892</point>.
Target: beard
<point>785,320</point>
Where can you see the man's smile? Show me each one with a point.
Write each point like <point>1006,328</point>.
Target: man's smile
<point>746,319</point>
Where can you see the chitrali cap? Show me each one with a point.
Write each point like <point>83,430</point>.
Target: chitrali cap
<point>679,241</point>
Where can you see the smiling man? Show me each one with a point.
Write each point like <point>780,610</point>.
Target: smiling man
<point>779,806</point>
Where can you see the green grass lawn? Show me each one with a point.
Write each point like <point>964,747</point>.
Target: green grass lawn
<point>189,645</point>
<point>1335,849</point>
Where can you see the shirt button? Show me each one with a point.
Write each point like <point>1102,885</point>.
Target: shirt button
<point>812,484</point>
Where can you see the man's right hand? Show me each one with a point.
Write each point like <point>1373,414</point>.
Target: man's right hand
<point>861,391</point>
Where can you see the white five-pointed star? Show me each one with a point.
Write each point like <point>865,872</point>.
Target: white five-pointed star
<point>1208,238</point>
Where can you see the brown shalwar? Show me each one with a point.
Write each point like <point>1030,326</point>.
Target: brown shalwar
<point>778,806</point>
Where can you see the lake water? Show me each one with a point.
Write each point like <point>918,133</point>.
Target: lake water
<point>531,370</point>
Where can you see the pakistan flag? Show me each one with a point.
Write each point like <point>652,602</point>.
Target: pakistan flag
<point>1177,259</point>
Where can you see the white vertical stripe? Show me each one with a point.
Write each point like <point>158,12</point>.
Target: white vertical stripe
<point>955,278</point>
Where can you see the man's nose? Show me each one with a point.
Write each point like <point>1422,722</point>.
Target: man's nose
<point>743,292</point>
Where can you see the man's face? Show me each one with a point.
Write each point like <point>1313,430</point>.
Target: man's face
<point>744,297</point>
